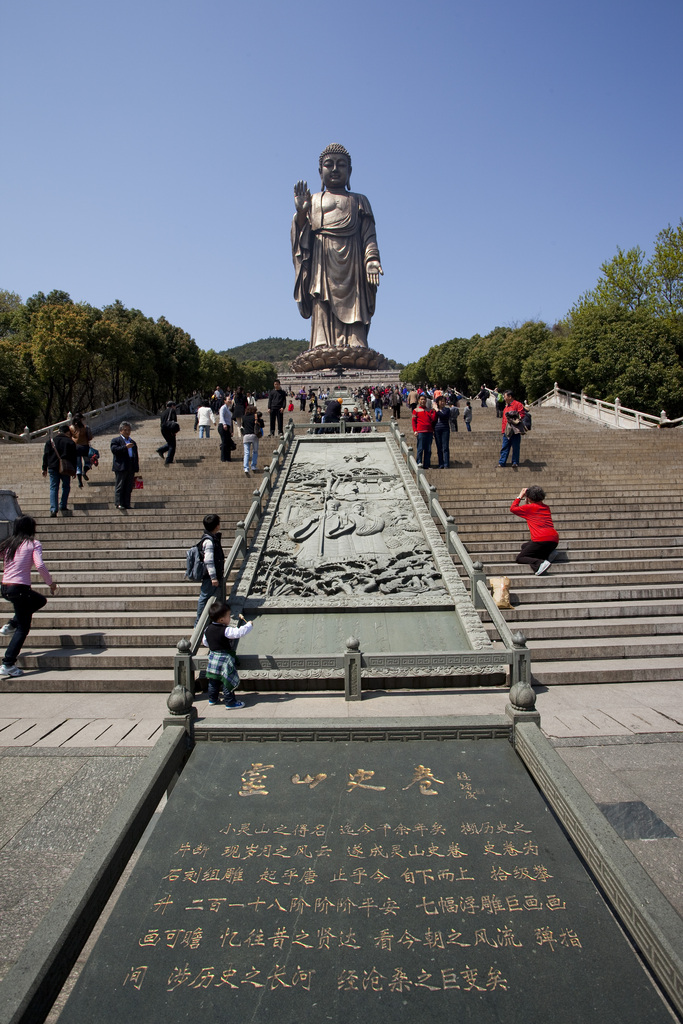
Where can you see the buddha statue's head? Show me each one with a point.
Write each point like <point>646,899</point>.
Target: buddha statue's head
<point>335,168</point>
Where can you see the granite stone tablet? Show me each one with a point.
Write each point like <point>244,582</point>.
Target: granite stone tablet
<point>358,881</point>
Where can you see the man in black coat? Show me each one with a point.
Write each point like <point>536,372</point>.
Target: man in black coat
<point>277,400</point>
<point>125,465</point>
<point>169,429</point>
<point>61,446</point>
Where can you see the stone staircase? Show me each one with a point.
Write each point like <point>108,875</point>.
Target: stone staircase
<point>610,608</point>
<point>122,602</point>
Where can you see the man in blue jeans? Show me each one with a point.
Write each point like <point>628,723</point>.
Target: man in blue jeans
<point>512,443</point>
<point>59,447</point>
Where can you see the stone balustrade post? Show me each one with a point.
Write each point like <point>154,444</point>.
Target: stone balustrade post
<point>241,535</point>
<point>520,672</point>
<point>451,528</point>
<point>477,575</point>
<point>183,668</point>
<point>352,667</point>
<point>432,496</point>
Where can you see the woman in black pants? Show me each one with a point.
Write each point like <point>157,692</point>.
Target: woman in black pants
<point>20,553</point>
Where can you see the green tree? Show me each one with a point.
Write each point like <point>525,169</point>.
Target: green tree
<point>667,268</point>
<point>19,388</point>
<point>613,352</point>
<point>10,304</point>
<point>447,364</point>
<point>257,375</point>
<point>60,352</point>
<point>513,350</point>
<point>627,280</point>
<point>480,360</point>
<point>416,373</point>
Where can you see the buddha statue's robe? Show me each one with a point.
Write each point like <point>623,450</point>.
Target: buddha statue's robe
<point>331,251</point>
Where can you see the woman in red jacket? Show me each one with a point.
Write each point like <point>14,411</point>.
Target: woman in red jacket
<point>538,551</point>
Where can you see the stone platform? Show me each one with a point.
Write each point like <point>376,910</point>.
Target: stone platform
<point>339,878</point>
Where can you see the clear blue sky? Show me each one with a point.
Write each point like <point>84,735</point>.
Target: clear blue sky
<point>150,151</point>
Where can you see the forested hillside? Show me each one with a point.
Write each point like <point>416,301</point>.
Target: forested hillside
<point>622,339</point>
<point>59,356</point>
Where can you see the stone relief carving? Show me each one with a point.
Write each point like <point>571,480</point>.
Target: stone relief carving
<point>346,527</point>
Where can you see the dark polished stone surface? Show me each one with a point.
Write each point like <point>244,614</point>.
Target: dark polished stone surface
<point>632,819</point>
<point>359,880</point>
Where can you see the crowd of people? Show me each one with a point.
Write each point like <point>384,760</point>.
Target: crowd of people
<point>435,413</point>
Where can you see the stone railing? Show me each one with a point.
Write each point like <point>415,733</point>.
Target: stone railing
<point>515,643</point>
<point>96,419</point>
<point>328,378</point>
<point>610,414</point>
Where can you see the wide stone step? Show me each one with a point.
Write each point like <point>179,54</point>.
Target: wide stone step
<point>82,680</point>
<point>593,595</point>
<point>578,568</point>
<point>45,637</point>
<point>143,588</point>
<point>572,550</point>
<point>56,623</point>
<point>636,647</point>
<point>108,602</point>
<point>569,581</point>
<point>618,670</point>
<point>121,659</point>
<point>578,629</point>
<point>114,576</point>
<point>161,565</point>
<point>570,611</point>
<point>667,531</point>
<point>89,540</point>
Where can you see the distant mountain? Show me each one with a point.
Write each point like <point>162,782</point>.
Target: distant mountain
<point>270,350</point>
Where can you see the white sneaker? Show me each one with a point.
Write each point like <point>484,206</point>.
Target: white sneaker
<point>246,472</point>
<point>10,670</point>
<point>543,567</point>
<point>8,629</point>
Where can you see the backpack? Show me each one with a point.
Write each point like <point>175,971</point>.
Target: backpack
<point>194,563</point>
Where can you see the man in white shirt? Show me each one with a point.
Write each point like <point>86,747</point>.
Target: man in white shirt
<point>225,429</point>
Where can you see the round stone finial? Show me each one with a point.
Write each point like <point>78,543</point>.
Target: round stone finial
<point>518,639</point>
<point>352,643</point>
<point>522,697</point>
<point>180,700</point>
<point>479,566</point>
<point>183,646</point>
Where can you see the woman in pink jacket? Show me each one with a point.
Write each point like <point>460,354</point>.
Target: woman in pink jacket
<point>20,553</point>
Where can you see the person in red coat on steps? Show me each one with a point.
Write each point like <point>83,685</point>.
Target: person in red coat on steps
<point>537,552</point>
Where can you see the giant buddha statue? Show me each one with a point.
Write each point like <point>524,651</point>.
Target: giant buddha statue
<point>337,267</point>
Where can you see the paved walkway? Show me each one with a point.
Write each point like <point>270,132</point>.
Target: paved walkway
<point>569,714</point>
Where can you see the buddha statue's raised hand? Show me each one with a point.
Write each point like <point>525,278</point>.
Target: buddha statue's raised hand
<point>302,199</point>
